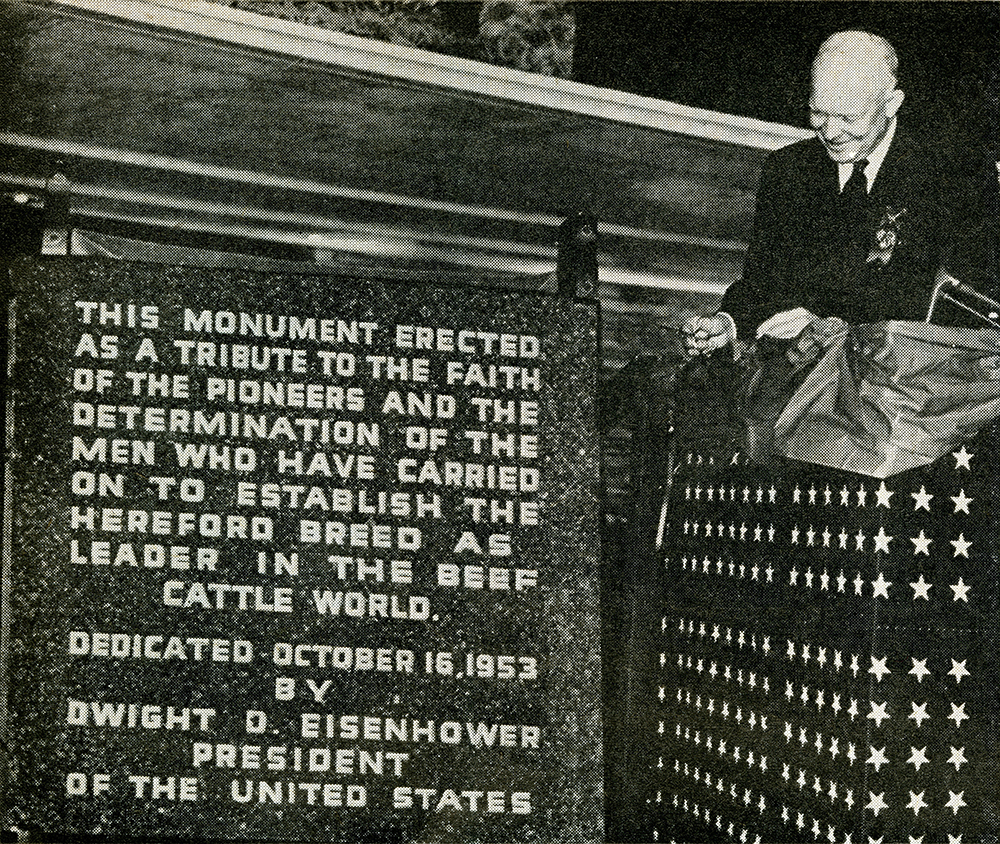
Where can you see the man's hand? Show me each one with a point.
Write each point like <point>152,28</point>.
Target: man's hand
<point>786,325</point>
<point>703,335</point>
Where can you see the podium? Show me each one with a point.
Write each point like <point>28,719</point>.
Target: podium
<point>825,658</point>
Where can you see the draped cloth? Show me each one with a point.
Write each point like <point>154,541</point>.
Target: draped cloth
<point>874,399</point>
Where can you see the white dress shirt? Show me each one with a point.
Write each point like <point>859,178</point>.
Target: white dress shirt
<point>875,159</point>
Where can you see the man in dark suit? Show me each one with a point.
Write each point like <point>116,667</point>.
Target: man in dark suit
<point>856,222</point>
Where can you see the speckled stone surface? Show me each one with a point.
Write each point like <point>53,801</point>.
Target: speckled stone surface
<point>54,593</point>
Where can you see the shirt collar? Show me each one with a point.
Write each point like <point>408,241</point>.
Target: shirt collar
<point>875,159</point>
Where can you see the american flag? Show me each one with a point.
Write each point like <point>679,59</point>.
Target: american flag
<point>828,658</point>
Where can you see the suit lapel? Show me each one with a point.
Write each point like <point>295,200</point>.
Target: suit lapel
<point>815,184</point>
<point>897,167</point>
<point>826,184</point>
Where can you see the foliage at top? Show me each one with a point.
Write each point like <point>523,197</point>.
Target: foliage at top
<point>531,35</point>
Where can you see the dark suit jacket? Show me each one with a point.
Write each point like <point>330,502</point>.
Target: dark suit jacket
<point>801,255</point>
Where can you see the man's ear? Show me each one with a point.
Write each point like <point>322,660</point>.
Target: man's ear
<point>894,102</point>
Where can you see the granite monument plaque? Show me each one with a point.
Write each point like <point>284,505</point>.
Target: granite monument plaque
<point>298,558</point>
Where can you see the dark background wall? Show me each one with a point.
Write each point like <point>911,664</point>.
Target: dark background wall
<point>752,58</point>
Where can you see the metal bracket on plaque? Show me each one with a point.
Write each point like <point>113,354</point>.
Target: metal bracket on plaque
<point>56,235</point>
<point>576,261</point>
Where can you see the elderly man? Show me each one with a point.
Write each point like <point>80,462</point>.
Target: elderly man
<point>856,222</point>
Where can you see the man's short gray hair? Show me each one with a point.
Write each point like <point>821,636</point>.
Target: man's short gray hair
<point>865,47</point>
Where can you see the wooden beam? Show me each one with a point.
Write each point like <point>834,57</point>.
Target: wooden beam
<point>202,20</point>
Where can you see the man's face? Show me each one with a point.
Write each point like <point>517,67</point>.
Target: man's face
<point>850,110</point>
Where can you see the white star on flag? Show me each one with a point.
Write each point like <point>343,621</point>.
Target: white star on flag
<point>918,757</point>
<point>958,714</point>
<point>919,840</point>
<point>917,802</point>
<point>862,495</point>
<point>961,591</point>
<point>955,839</point>
<point>921,544</point>
<point>962,546</point>
<point>881,586</point>
<point>883,495</point>
<point>955,801</point>
<point>962,501</point>
<point>877,758</point>
<point>919,713</point>
<point>879,668</point>
<point>876,802</point>
<point>921,588</point>
<point>878,713</point>
<point>962,458</point>
<point>957,757</point>
<point>922,499</point>
<point>919,669</point>
<point>958,670</point>
<point>845,496</point>
<point>882,541</point>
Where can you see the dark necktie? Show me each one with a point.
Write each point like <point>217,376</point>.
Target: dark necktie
<point>855,192</point>
<point>852,208</point>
